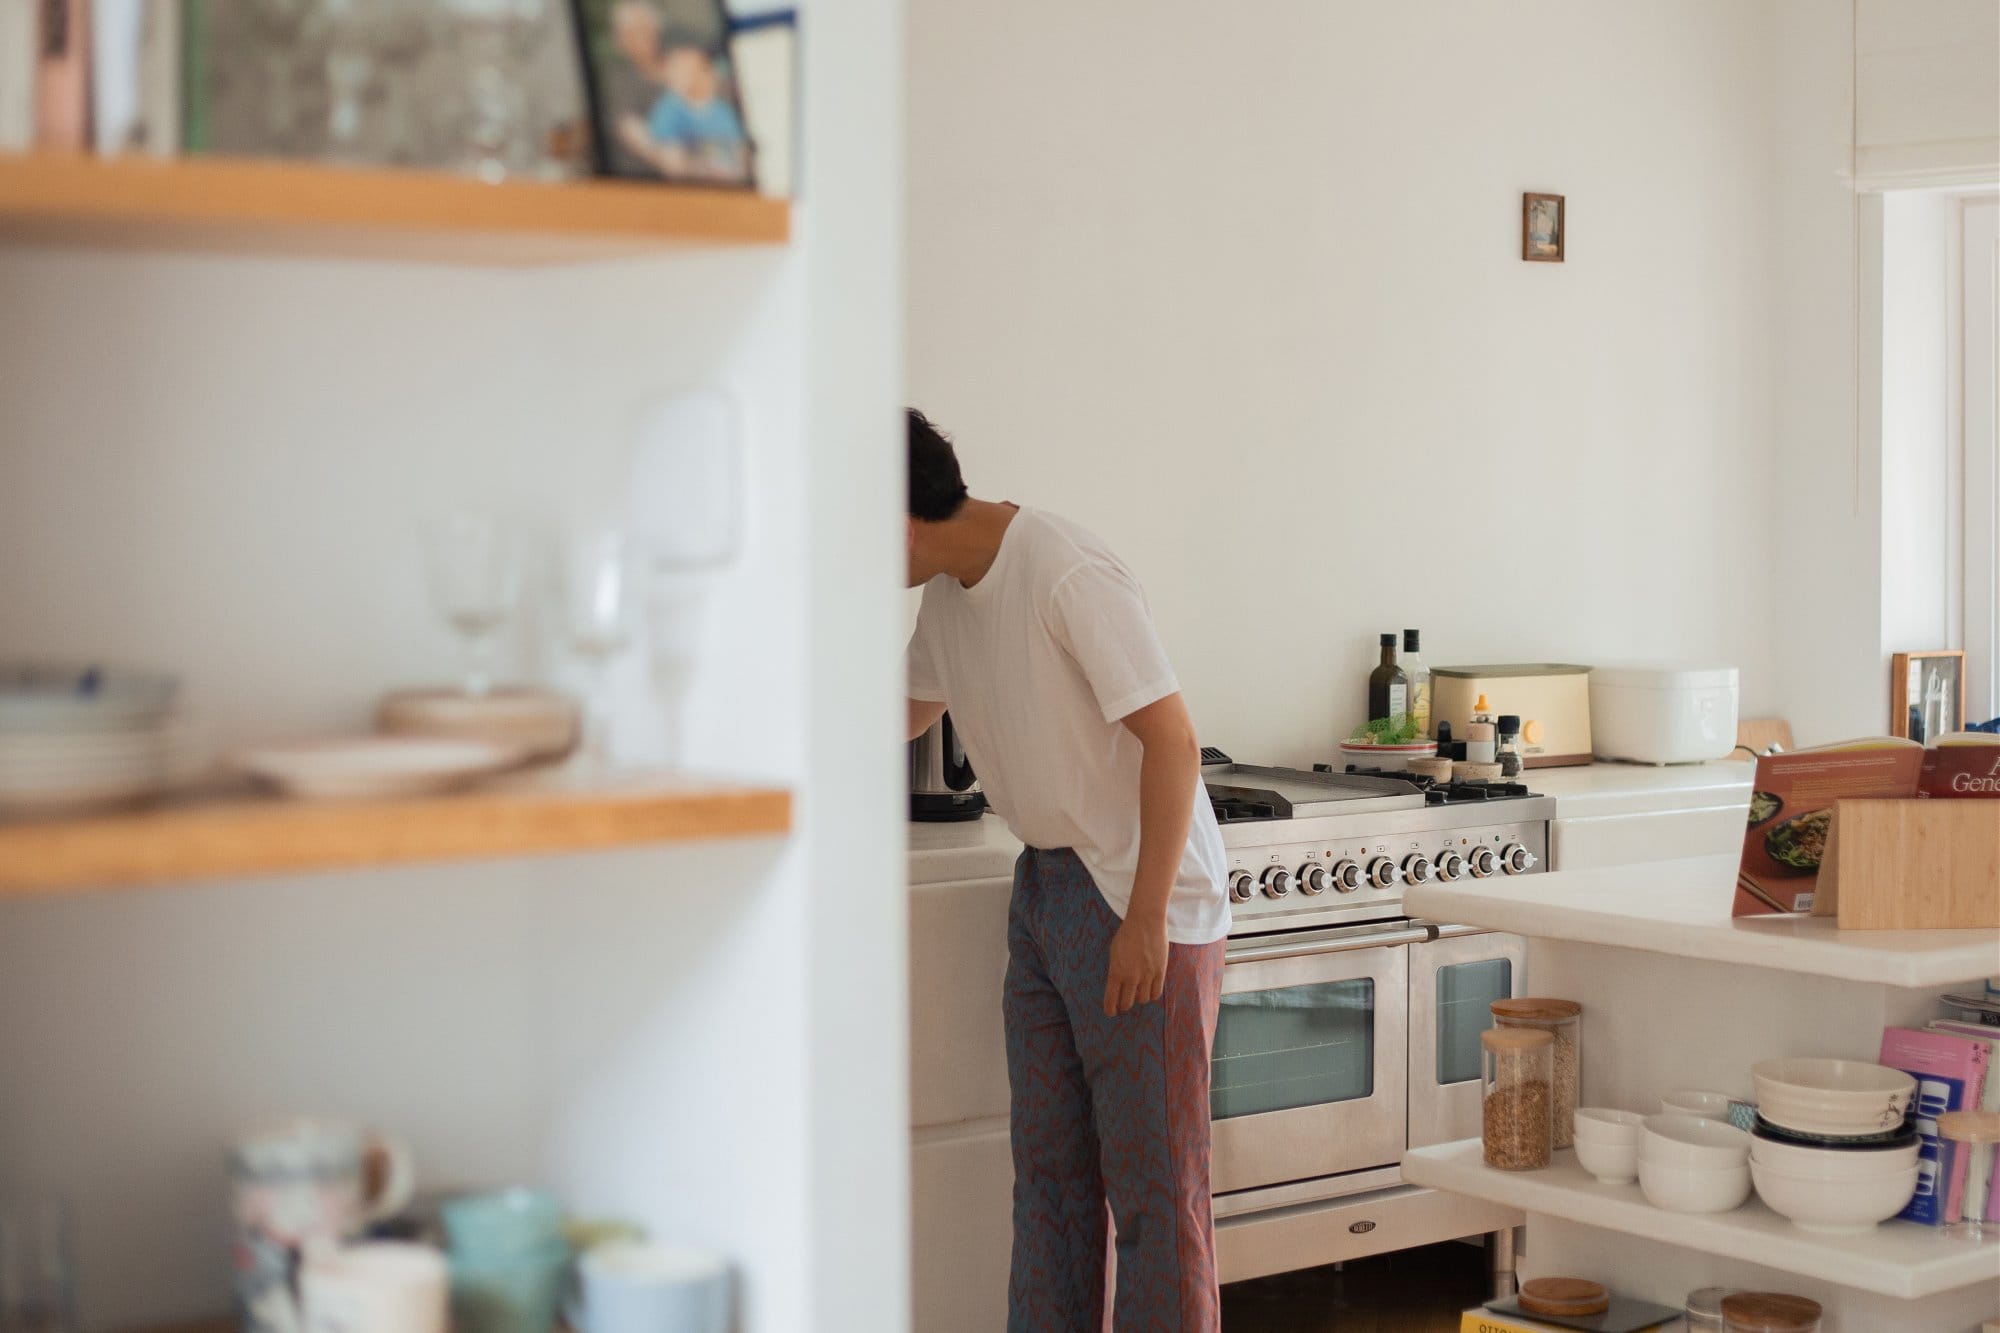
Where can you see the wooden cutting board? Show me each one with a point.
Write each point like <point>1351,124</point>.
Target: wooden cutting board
<point>1912,865</point>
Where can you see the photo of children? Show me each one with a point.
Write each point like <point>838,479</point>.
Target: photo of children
<point>663,91</point>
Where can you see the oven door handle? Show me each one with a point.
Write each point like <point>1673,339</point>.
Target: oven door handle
<point>1453,932</point>
<point>1306,947</point>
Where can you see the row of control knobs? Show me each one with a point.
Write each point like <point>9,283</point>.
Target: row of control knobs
<point>1346,876</point>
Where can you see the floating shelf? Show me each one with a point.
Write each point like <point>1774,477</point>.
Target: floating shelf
<point>240,204</point>
<point>1682,908</point>
<point>250,834</point>
<point>1899,1259</point>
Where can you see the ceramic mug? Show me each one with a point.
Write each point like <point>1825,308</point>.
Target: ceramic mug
<point>301,1186</point>
<point>631,1287</point>
<point>510,1261</point>
<point>377,1287</point>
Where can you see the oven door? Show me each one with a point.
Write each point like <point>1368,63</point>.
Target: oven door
<point>1310,1054</point>
<point>1452,981</point>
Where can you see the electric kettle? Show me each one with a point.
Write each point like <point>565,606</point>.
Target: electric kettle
<point>943,786</point>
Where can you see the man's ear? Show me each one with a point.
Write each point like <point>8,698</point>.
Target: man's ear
<point>910,533</point>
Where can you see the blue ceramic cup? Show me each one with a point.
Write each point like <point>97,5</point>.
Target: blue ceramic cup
<point>631,1287</point>
<point>509,1262</point>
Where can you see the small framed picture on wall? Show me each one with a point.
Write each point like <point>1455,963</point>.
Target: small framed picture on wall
<point>1542,227</point>
<point>1927,694</point>
<point>661,83</point>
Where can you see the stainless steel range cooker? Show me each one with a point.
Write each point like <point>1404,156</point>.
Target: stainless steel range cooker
<point>1349,1030</point>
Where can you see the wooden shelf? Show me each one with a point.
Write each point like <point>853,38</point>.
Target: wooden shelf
<point>249,834</point>
<point>1899,1259</point>
<point>239,205</point>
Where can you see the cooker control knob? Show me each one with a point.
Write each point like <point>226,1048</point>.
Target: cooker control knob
<point>1240,886</point>
<point>1518,860</point>
<point>1277,882</point>
<point>1313,879</point>
<point>1382,873</point>
<point>1450,866</point>
<point>1482,862</point>
<point>1346,877</point>
<point>1417,869</point>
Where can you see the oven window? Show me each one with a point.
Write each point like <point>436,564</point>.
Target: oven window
<point>1299,1046</point>
<point>1465,993</point>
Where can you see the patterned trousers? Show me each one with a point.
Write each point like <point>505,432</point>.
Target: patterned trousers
<point>1105,1111</point>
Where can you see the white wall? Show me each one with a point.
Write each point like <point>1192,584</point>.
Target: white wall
<point>1247,299</point>
<point>1918,494</point>
<point>218,465</point>
<point>1927,94</point>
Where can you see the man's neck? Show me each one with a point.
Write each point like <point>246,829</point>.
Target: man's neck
<point>971,540</point>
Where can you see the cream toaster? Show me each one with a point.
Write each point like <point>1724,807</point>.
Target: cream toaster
<point>1552,699</point>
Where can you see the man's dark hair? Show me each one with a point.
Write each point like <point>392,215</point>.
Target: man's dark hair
<point>937,491</point>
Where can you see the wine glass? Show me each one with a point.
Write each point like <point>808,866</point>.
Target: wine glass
<point>602,592</point>
<point>675,614</point>
<point>475,576</point>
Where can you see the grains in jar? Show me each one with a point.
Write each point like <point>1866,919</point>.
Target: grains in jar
<point>1517,1117</point>
<point>1563,1020</point>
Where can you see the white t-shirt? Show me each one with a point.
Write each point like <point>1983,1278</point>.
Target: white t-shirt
<point>1038,661</point>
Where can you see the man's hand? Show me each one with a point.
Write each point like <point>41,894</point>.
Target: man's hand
<point>1138,966</point>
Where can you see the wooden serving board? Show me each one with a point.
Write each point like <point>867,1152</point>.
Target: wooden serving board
<point>1912,865</point>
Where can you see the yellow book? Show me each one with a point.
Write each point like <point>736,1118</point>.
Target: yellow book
<point>1482,1320</point>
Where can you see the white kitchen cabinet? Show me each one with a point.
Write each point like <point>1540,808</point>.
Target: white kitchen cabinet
<point>1611,814</point>
<point>1657,835</point>
<point>958,964</point>
<point>961,1227</point>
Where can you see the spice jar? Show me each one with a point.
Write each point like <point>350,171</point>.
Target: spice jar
<point>1704,1310</point>
<point>1517,1066</point>
<point>1562,1020</point>
<point>1507,747</point>
<point>1972,1135</point>
<point>1769,1312</point>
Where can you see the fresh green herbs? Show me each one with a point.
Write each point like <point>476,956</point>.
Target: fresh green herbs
<point>1398,730</point>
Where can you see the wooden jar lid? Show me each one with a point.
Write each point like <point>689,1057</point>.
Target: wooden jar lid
<point>1536,1010</point>
<point>1770,1312</point>
<point>1970,1126</point>
<point>1574,1296</point>
<point>1512,1041</point>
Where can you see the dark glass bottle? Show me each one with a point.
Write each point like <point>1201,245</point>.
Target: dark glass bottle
<point>1388,685</point>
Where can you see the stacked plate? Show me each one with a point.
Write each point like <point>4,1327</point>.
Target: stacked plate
<point>541,724</point>
<point>79,738</point>
<point>1833,1149</point>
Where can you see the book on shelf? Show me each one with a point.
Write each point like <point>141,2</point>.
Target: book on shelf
<point>1482,1320</point>
<point>62,74</point>
<point>1951,1076</point>
<point>1791,815</point>
<point>1982,1177</point>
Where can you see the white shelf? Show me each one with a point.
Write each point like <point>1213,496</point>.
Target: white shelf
<point>1682,908</point>
<point>1898,1259</point>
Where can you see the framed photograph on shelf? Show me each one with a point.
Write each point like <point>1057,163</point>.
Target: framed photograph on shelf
<point>1542,227</point>
<point>1927,694</point>
<point>662,87</point>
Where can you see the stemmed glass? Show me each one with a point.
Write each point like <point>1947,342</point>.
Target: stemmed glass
<point>474,562</point>
<point>602,587</point>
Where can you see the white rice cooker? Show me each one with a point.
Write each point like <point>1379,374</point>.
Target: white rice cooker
<point>1663,713</point>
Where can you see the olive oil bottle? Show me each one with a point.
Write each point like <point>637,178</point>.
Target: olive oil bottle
<point>1388,685</point>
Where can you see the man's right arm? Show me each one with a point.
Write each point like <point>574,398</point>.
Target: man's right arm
<point>923,714</point>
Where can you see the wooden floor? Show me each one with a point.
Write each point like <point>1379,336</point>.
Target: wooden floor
<point>1416,1291</point>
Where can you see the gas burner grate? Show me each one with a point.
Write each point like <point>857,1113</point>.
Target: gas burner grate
<point>1442,793</point>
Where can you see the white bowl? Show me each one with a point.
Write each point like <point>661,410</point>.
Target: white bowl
<point>1687,1189</point>
<point>1832,1096</point>
<point>1694,1101</point>
<point>1388,758</point>
<point>1604,1125</point>
<point>1611,1163</point>
<point>1797,1159</point>
<point>1844,1205</point>
<point>1689,1140</point>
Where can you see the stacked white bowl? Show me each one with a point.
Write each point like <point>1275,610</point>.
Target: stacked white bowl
<point>1688,1164</point>
<point>75,738</point>
<point>1607,1143</point>
<point>1832,1153</point>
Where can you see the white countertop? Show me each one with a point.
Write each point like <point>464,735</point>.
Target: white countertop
<point>982,848</point>
<point>1608,788</point>
<point>1898,1259</point>
<point>1682,908</point>
<point>950,853</point>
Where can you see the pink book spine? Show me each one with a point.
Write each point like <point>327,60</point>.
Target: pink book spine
<point>1960,1059</point>
<point>62,74</point>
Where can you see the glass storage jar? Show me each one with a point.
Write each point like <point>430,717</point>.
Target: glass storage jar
<point>1562,1020</point>
<point>1517,1122</point>
<point>1704,1310</point>
<point>1965,1212</point>
<point>1769,1312</point>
